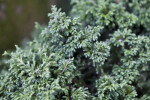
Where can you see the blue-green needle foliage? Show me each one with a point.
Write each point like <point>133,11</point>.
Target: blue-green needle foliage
<point>101,52</point>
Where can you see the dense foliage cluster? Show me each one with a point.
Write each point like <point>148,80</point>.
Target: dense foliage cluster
<point>101,52</point>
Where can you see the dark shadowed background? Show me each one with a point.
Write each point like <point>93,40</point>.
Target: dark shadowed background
<point>17,18</point>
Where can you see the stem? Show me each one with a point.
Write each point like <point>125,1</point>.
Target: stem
<point>65,66</point>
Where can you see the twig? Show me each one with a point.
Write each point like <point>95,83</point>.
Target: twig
<point>117,1</point>
<point>93,1</point>
<point>65,66</point>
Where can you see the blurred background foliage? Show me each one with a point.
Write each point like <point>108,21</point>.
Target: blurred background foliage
<point>17,18</point>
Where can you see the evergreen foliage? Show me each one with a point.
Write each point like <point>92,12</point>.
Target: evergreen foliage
<point>101,52</point>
